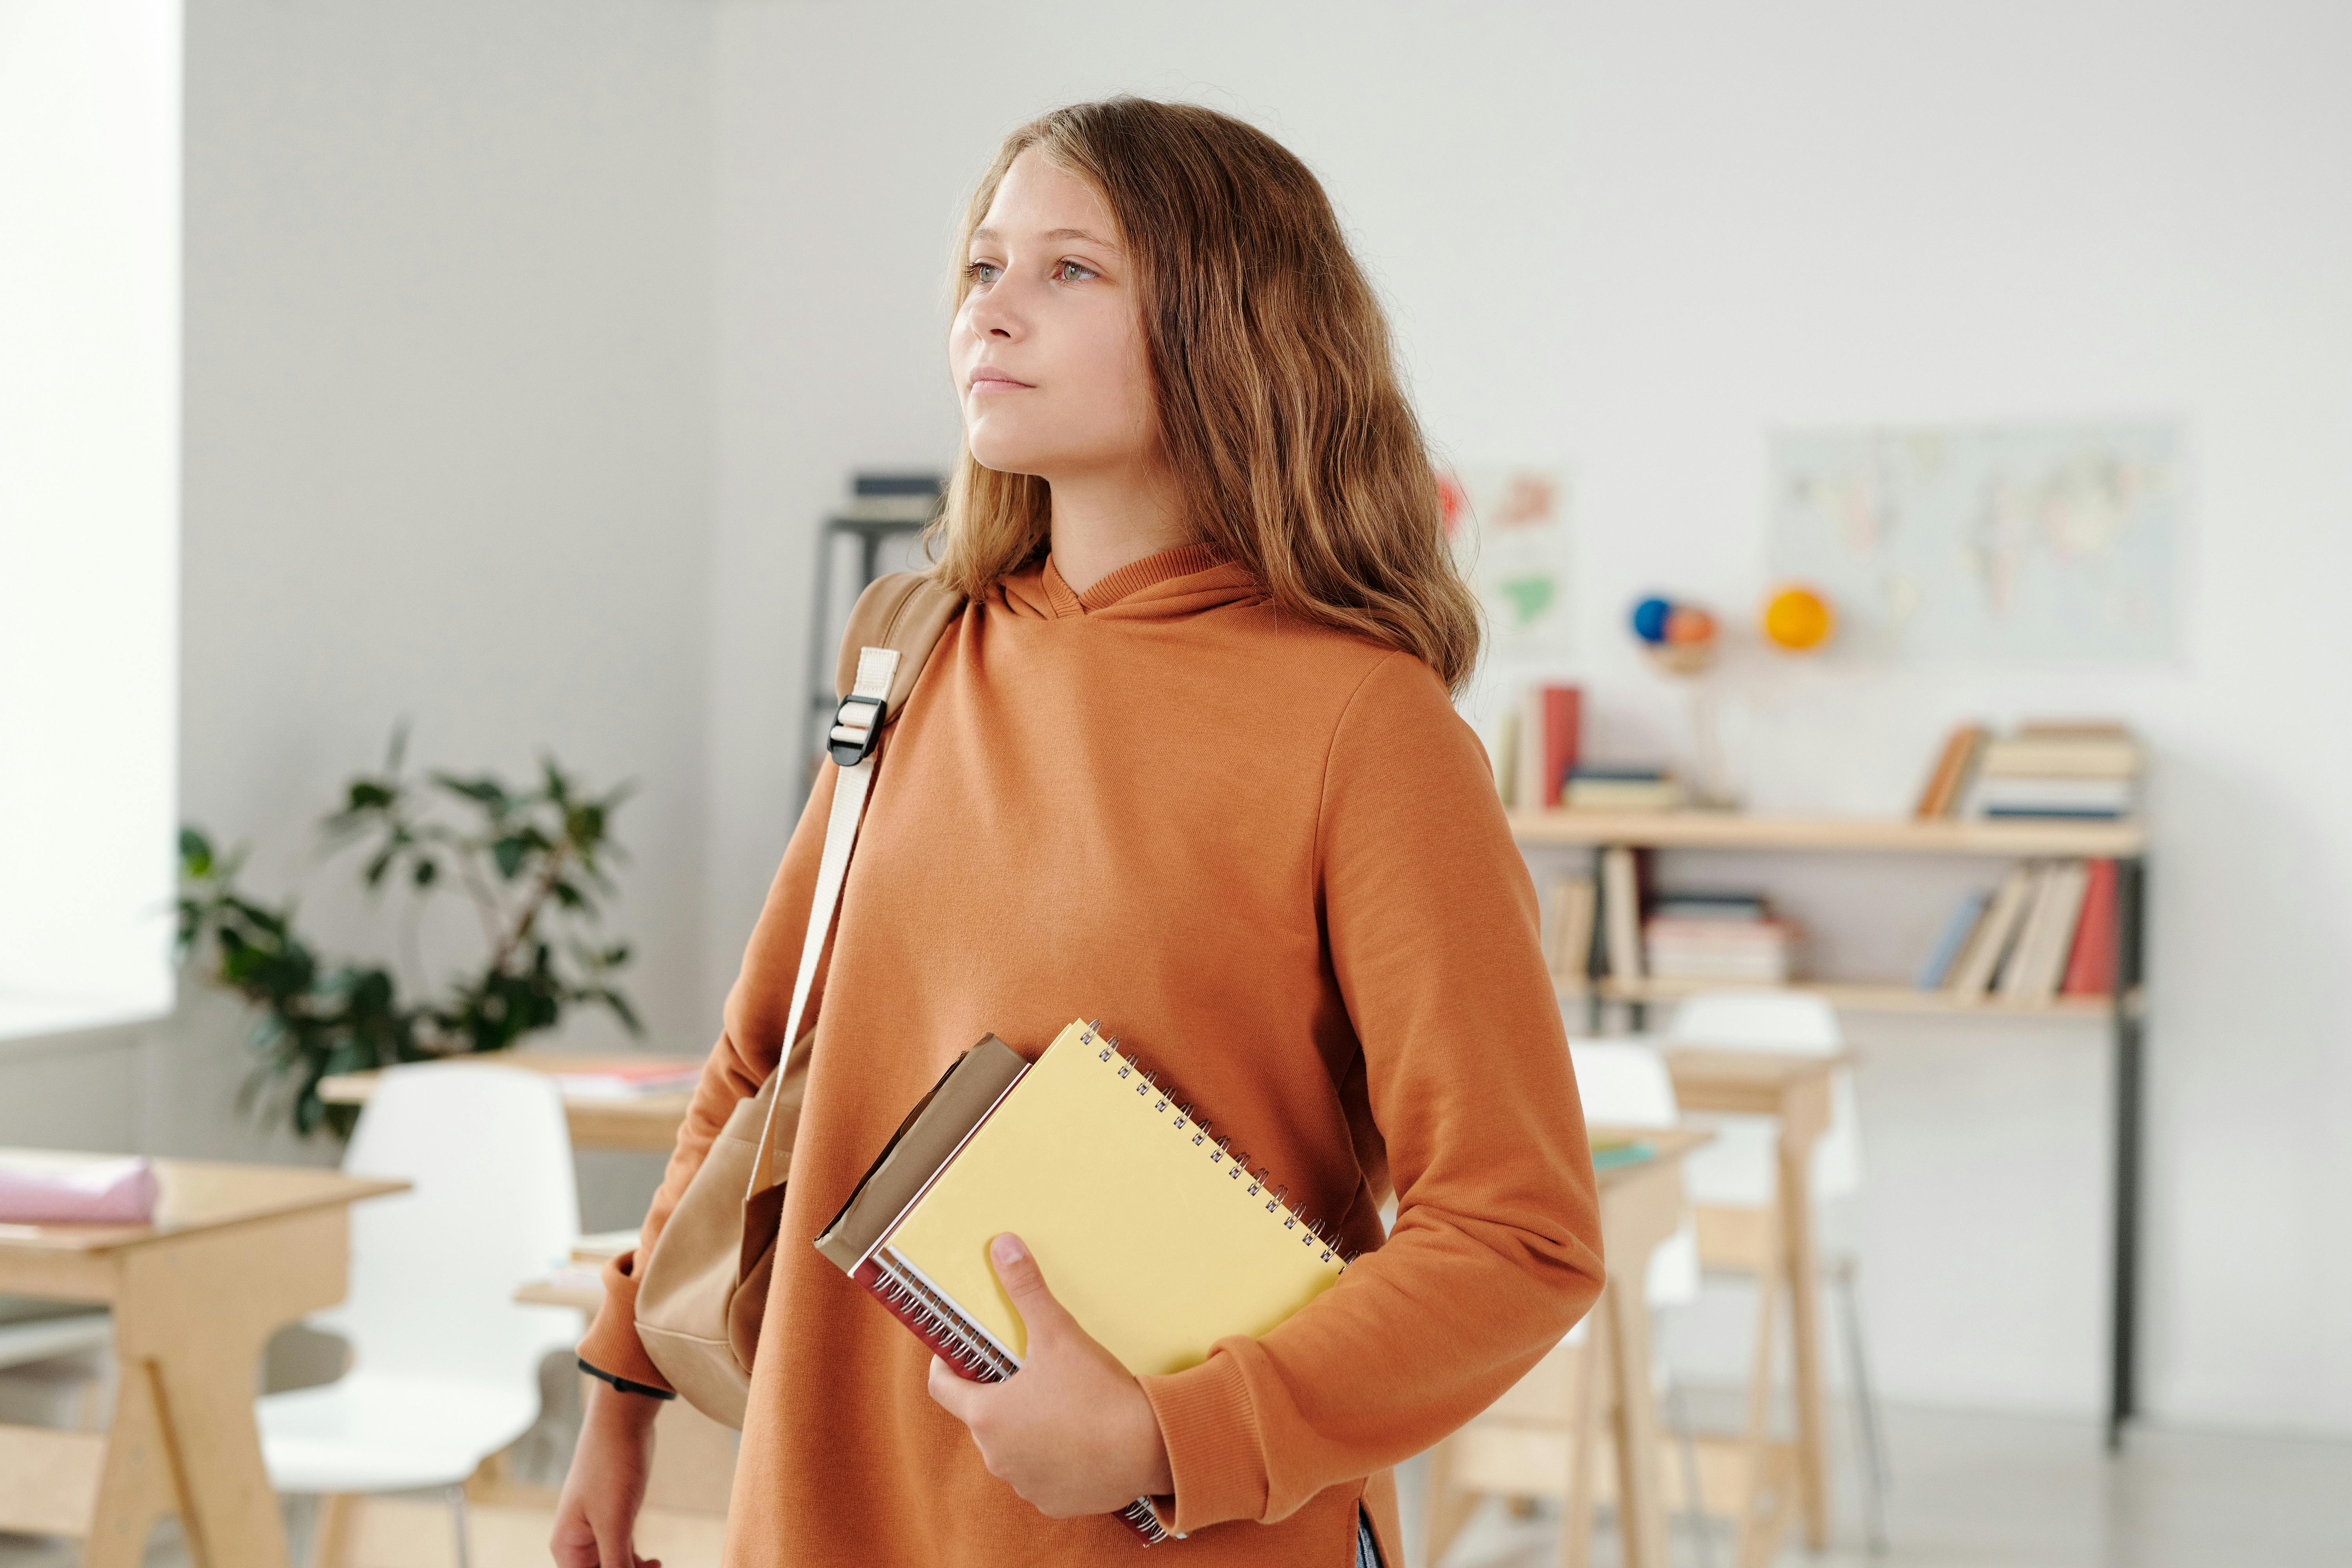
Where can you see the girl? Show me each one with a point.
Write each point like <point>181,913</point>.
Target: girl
<point>1185,761</point>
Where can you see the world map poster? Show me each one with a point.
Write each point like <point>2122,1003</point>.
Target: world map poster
<point>2026,542</point>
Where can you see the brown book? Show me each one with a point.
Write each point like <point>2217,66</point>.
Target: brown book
<point>1973,973</point>
<point>1941,793</point>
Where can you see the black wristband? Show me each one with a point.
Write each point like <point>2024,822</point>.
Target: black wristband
<point>623,1383</point>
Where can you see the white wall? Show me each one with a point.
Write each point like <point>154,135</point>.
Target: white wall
<point>448,452</point>
<point>1633,238</point>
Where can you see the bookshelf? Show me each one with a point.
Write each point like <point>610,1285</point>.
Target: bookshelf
<point>1850,998</point>
<point>2123,1013</point>
<point>1862,834</point>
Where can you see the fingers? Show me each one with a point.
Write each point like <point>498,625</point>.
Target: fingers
<point>952,1393</point>
<point>1017,1271</point>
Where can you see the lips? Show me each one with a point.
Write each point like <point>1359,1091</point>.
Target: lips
<point>987,378</point>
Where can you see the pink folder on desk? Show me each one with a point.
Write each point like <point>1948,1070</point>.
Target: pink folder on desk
<point>65,1189</point>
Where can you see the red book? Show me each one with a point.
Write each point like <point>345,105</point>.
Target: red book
<point>2091,966</point>
<point>1562,716</point>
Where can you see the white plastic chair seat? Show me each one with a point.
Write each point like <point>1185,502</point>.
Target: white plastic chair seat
<point>445,1363</point>
<point>365,1432</point>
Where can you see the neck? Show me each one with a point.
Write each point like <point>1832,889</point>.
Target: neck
<point>1102,522</point>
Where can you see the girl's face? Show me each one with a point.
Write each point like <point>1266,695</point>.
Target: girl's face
<point>1047,347</point>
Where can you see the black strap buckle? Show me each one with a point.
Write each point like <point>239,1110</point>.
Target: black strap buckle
<point>855,731</point>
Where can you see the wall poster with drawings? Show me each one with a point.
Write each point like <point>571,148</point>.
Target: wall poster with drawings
<point>1508,528</point>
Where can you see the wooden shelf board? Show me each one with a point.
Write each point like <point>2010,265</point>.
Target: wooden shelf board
<point>1848,997</point>
<point>1740,830</point>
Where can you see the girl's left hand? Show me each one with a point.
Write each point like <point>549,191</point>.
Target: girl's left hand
<point>1071,1431</point>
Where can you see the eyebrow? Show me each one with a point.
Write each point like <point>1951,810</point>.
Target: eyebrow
<point>990,234</point>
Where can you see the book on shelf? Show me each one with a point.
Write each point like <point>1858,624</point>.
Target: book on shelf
<point>2113,796</point>
<point>2038,960</point>
<point>1755,952</point>
<point>629,1081</point>
<point>2091,961</point>
<point>1569,926</point>
<point>2075,771</point>
<point>1598,788</point>
<point>1947,780</point>
<point>1988,943</point>
<point>1621,912</point>
<point>2063,757</point>
<point>1539,736</point>
<point>2049,931</point>
<point>1156,1236</point>
<point>1949,946</point>
<point>1688,904</point>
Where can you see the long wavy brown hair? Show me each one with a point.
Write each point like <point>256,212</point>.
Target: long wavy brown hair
<point>1279,408</point>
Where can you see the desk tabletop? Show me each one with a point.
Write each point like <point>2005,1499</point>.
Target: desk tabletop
<point>1746,1069</point>
<point>1667,1145</point>
<point>354,1088</point>
<point>196,1196</point>
<point>647,1122</point>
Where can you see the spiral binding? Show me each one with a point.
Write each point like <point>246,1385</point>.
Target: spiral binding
<point>1313,1235</point>
<point>931,1313</point>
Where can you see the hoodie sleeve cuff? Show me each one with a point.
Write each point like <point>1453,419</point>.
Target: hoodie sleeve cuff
<point>611,1343</point>
<point>1210,1425</point>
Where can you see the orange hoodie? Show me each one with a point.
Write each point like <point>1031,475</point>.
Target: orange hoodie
<point>1268,855</point>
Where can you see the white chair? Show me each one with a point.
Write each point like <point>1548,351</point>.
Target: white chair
<point>1740,1169</point>
<point>1626,1085</point>
<point>445,1366</point>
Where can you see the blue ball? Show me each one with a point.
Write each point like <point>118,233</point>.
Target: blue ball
<point>1650,620</point>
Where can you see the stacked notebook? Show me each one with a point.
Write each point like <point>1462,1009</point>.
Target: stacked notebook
<point>1156,1236</point>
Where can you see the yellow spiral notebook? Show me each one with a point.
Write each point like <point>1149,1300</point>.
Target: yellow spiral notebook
<point>1150,1229</point>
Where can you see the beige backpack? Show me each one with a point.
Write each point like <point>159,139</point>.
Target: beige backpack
<point>703,1288</point>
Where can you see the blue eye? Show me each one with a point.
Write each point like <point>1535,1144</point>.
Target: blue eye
<point>1080,268</point>
<point>982,271</point>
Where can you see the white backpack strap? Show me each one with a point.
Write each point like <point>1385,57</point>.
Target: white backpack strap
<point>856,726</point>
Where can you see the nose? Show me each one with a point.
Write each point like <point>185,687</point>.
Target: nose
<point>991,313</point>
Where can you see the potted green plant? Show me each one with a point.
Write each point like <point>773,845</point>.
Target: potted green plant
<point>532,860</point>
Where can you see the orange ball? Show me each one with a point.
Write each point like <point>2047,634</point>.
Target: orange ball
<point>1688,624</point>
<point>1798,619</point>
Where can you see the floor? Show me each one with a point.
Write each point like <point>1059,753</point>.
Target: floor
<point>1971,1491</point>
<point>1976,1490</point>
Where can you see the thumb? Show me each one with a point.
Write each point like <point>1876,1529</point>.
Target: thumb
<point>1016,1270</point>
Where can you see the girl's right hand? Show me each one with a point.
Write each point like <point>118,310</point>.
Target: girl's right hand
<point>596,1517</point>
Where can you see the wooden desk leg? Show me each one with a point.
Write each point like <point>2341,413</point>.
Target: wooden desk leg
<point>189,1321</point>
<point>1805,1328</point>
<point>1640,1504</point>
<point>139,1480</point>
<point>1585,1397</point>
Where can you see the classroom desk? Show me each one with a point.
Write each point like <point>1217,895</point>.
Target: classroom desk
<point>1538,1439</point>
<point>1795,1089</point>
<point>235,1252</point>
<point>648,1125</point>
